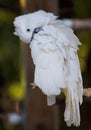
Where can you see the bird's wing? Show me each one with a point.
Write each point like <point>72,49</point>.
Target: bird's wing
<point>67,44</point>
<point>74,88</point>
<point>48,65</point>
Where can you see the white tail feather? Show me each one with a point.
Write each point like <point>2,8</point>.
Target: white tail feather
<point>72,113</point>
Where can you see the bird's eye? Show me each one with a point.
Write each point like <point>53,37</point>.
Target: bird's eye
<point>28,30</point>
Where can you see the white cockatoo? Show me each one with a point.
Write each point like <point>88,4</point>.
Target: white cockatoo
<point>54,51</point>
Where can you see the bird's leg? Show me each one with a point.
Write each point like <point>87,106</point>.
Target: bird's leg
<point>33,85</point>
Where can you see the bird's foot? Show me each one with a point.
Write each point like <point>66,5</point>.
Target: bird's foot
<point>33,85</point>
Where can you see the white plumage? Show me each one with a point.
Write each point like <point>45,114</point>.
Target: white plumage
<point>54,51</point>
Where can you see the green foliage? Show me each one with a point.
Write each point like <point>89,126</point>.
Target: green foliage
<point>85,39</point>
<point>12,5</point>
<point>83,11</point>
<point>9,48</point>
<point>10,2</point>
<point>82,8</point>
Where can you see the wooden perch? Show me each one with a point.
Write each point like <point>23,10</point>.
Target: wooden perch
<point>87,92</point>
<point>84,24</point>
<point>78,24</point>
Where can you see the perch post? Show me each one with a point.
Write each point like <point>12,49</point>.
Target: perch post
<point>38,115</point>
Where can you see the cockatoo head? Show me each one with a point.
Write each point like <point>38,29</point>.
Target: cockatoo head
<point>25,25</point>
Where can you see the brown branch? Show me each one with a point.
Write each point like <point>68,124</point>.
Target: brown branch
<point>86,93</point>
<point>78,24</point>
<point>84,24</point>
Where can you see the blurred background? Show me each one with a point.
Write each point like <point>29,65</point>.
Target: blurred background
<point>22,108</point>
